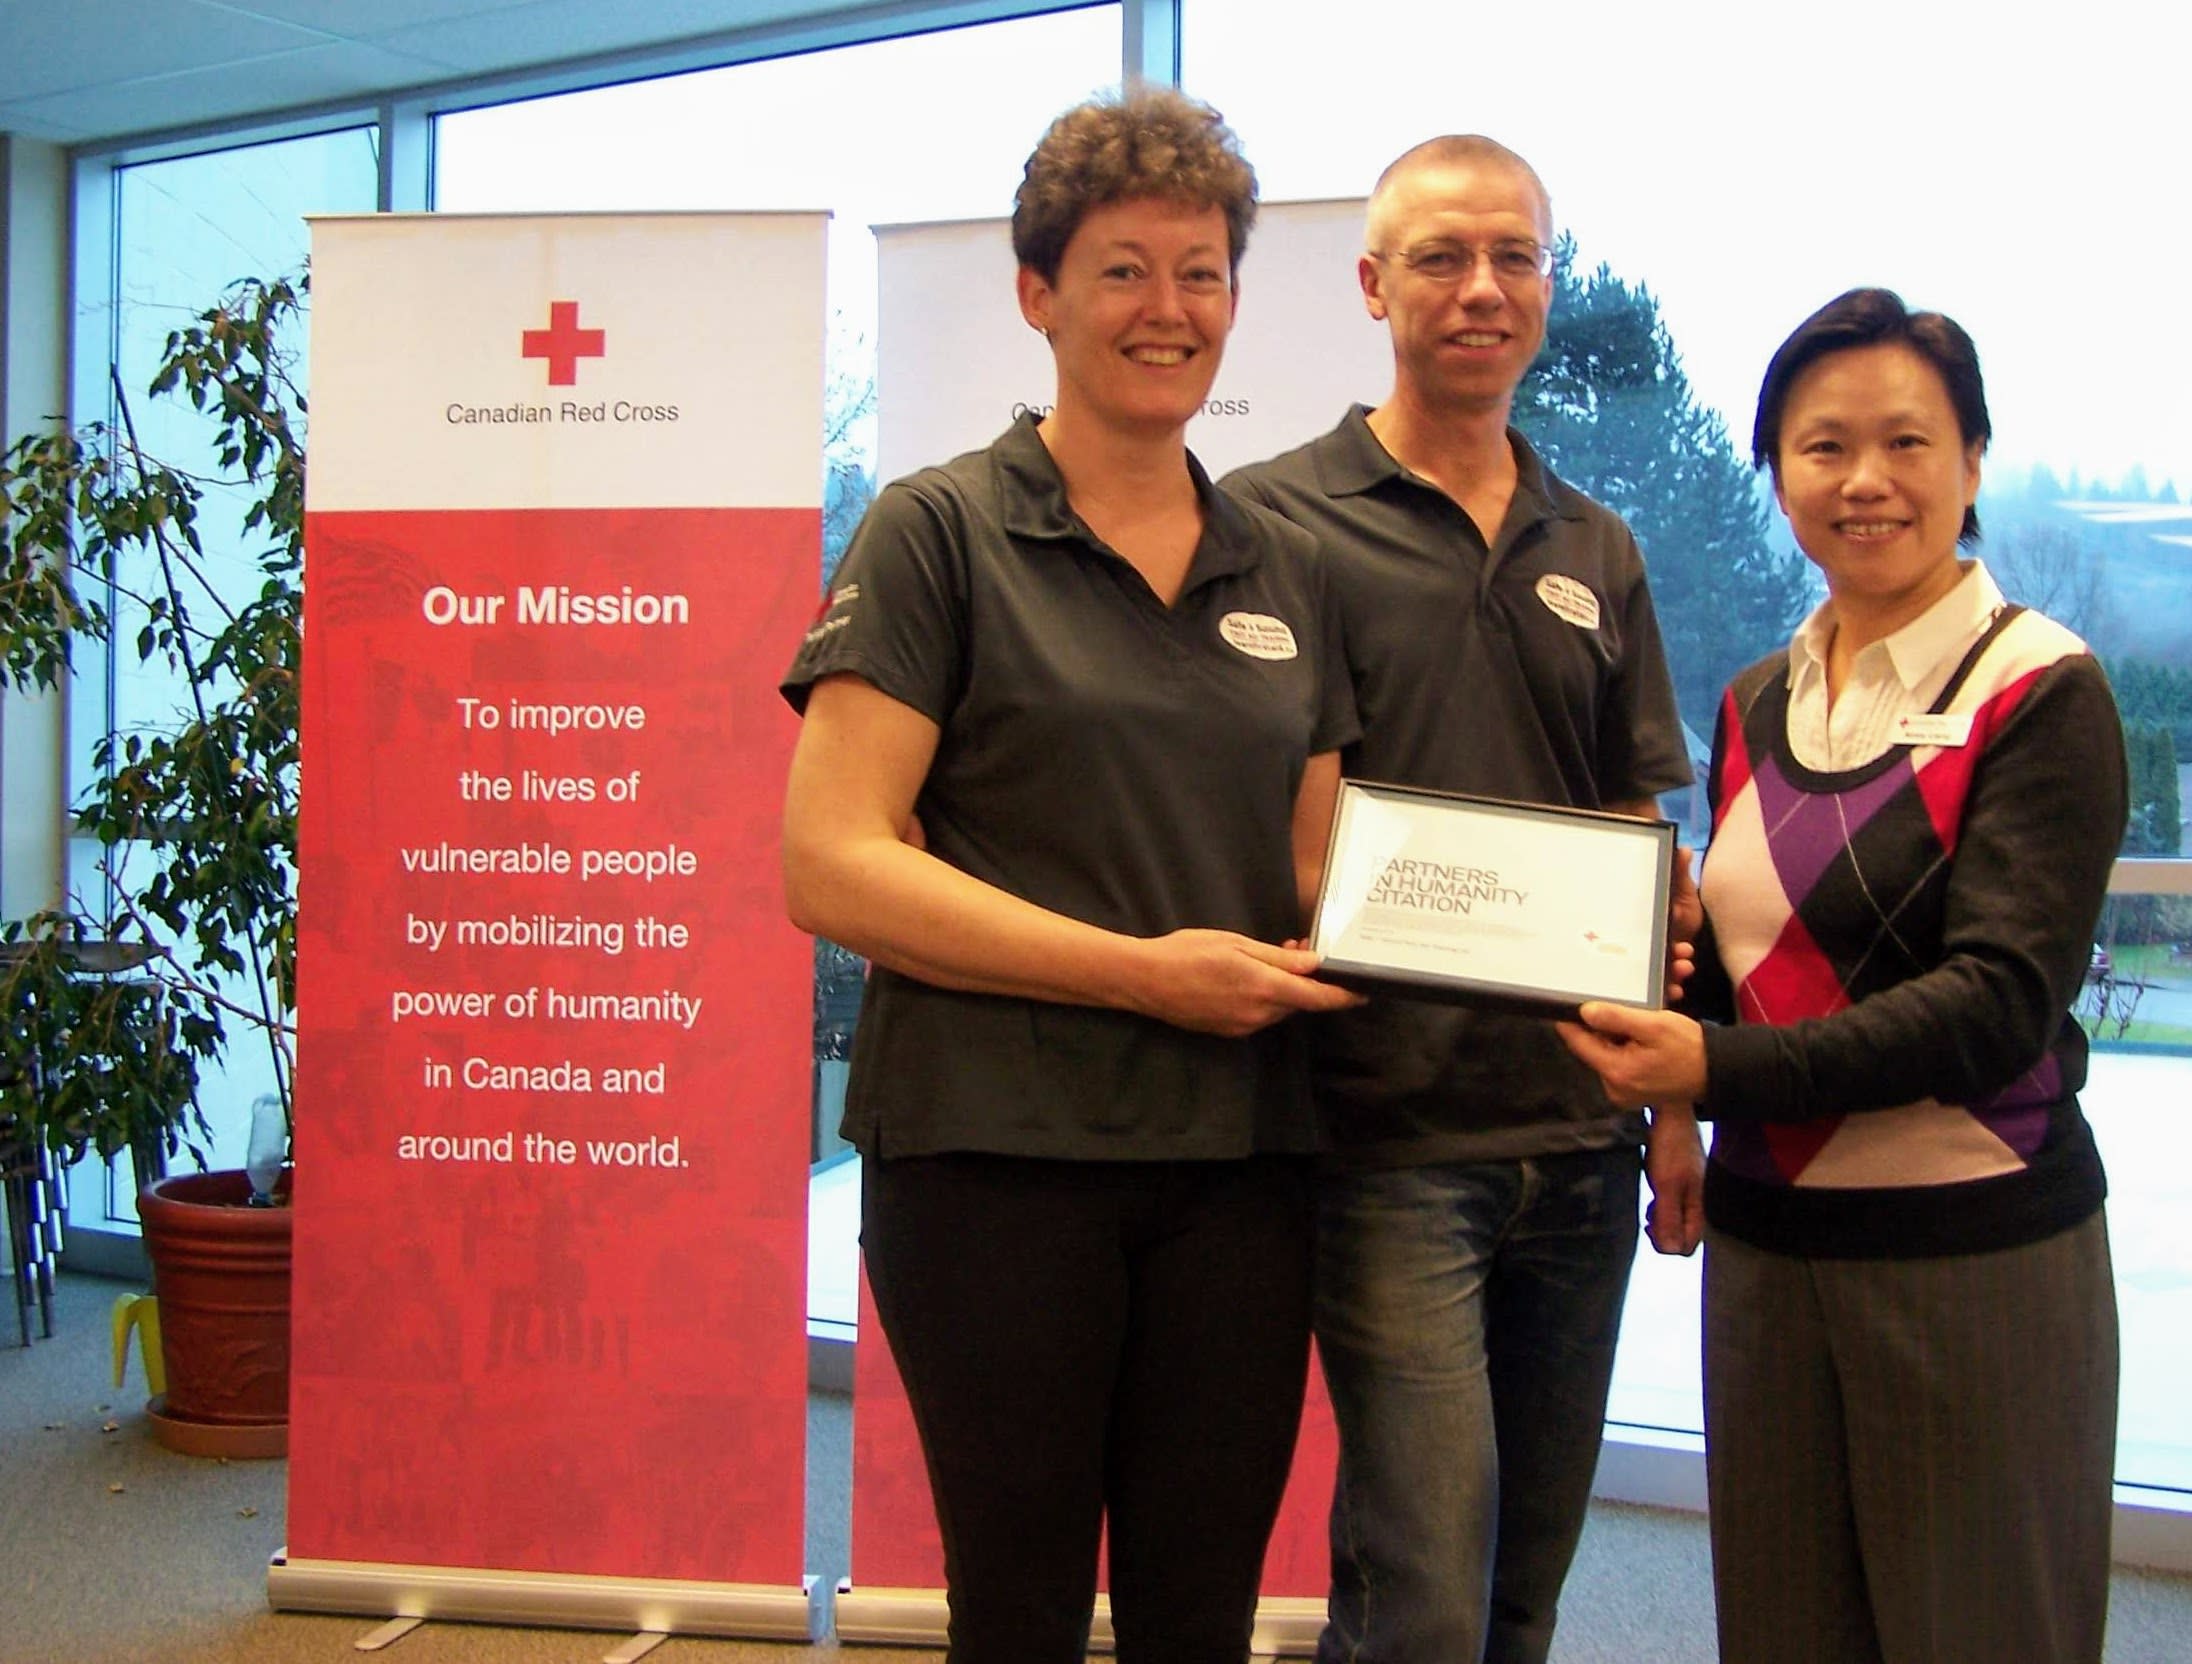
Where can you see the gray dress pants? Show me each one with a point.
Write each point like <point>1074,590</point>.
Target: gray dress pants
<point>1910,1461</point>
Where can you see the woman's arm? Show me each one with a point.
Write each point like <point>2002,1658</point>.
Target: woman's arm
<point>1314,805</point>
<point>2039,833</point>
<point>850,875</point>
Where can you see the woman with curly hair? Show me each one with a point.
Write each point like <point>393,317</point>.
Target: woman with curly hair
<point>1071,734</point>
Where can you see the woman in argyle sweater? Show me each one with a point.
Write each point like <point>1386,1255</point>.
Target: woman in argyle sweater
<point>1910,1347</point>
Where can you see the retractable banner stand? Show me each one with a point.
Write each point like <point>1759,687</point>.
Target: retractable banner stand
<point>958,364</point>
<point>553,1061</point>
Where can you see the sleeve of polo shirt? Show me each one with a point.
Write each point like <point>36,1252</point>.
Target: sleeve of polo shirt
<point>896,613</point>
<point>1640,749</point>
<point>1338,723</point>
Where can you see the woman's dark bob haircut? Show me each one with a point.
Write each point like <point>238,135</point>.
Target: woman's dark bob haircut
<point>1865,318</point>
<point>1150,142</point>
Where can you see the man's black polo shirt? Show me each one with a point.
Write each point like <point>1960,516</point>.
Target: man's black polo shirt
<point>1530,670</point>
<point>1103,756</point>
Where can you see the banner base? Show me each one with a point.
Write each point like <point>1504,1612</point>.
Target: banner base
<point>891,1617</point>
<point>562,1600</point>
<point>1287,1626</point>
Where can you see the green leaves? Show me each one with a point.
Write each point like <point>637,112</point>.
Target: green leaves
<point>196,817</point>
<point>43,480</point>
<point>104,1060</point>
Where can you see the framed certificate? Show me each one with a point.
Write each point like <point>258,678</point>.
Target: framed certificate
<point>1515,905</point>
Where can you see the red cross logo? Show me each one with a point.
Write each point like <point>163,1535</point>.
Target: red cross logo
<point>563,343</point>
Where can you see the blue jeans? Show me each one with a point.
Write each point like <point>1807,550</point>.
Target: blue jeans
<point>1467,1315</point>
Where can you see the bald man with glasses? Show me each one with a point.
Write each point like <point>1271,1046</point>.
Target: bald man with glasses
<point>1477,1207</point>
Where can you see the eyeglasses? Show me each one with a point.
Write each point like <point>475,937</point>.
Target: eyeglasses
<point>1512,263</point>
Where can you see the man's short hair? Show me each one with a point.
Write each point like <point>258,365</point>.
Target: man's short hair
<point>1448,150</point>
<point>1151,142</point>
<point>1866,318</point>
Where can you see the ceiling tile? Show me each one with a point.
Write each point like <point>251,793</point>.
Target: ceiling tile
<point>353,21</point>
<point>314,75</point>
<point>49,48</point>
<point>542,31</point>
<point>78,70</point>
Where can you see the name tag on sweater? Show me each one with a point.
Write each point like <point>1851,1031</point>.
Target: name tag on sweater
<point>1946,729</point>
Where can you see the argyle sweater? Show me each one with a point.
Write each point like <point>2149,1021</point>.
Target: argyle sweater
<point>1898,946</point>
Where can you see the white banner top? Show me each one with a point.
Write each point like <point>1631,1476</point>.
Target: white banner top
<point>551,379</point>
<point>959,363</point>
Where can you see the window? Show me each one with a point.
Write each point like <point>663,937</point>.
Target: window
<point>184,230</point>
<point>169,236</point>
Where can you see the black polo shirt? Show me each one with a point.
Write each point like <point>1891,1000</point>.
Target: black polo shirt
<point>1103,756</point>
<point>1530,670</point>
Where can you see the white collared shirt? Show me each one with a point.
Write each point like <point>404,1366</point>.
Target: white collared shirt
<point>1897,676</point>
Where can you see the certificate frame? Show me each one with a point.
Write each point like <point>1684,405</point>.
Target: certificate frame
<point>1486,901</point>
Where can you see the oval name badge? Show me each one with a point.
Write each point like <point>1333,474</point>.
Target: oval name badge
<point>1259,635</point>
<point>1565,598</point>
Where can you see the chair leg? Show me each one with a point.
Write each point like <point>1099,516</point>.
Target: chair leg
<point>20,1250</point>
<point>48,1229</point>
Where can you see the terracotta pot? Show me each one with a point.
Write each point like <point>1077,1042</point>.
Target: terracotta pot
<point>221,1272</point>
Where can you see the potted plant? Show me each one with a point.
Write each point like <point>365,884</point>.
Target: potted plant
<point>98,1057</point>
<point>195,822</point>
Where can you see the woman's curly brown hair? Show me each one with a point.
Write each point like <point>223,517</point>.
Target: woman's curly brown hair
<point>1150,142</point>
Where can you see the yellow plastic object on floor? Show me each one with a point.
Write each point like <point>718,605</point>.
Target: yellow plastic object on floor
<point>142,1313</point>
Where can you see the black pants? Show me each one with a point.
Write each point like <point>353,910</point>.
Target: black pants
<point>1091,1339</point>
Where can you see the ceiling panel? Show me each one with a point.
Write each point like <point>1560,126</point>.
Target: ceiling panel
<point>541,31</point>
<point>79,70</point>
<point>322,74</point>
<point>47,48</point>
<point>374,18</point>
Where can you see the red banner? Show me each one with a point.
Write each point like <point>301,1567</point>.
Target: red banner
<point>1299,1560</point>
<point>894,1539</point>
<point>553,1076</point>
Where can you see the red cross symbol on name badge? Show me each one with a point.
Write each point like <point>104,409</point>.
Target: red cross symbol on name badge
<point>563,343</point>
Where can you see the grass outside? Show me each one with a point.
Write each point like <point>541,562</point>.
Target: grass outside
<point>2137,970</point>
<point>2151,962</point>
<point>2172,1037</point>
